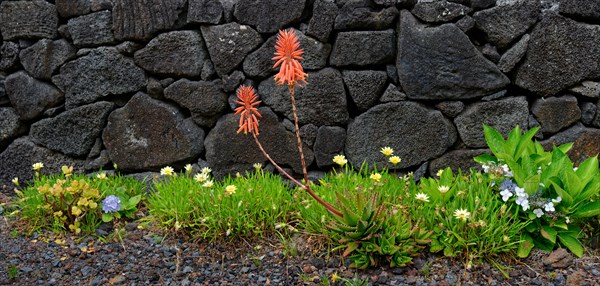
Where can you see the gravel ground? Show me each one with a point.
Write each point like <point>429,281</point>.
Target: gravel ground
<point>146,257</point>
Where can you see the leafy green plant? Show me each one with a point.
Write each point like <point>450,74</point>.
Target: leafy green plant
<point>13,272</point>
<point>553,194</point>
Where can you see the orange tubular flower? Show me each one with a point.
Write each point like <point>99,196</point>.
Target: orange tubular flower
<point>288,54</point>
<point>247,109</point>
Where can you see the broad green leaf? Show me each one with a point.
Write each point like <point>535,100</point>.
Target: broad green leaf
<point>548,233</point>
<point>494,140</point>
<point>133,201</point>
<point>588,169</point>
<point>565,147</point>
<point>525,246</point>
<point>566,197</point>
<point>485,158</point>
<point>106,217</point>
<point>572,243</point>
<point>561,225</point>
<point>525,143</point>
<point>591,189</point>
<point>588,210</point>
<point>532,184</point>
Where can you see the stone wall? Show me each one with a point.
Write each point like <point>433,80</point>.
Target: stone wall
<point>149,83</point>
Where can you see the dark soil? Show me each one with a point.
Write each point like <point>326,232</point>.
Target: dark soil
<point>147,257</point>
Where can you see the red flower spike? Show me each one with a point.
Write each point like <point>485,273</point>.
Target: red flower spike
<point>287,55</point>
<point>247,99</point>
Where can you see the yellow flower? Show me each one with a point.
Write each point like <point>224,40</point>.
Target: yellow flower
<point>257,166</point>
<point>208,184</point>
<point>167,171</point>
<point>67,170</point>
<point>206,170</point>
<point>335,277</point>
<point>395,160</point>
<point>462,214</point>
<point>101,176</point>
<point>230,190</point>
<point>443,189</point>
<point>15,181</point>
<point>58,214</point>
<point>376,177</point>
<point>38,166</point>
<point>76,210</point>
<point>439,173</point>
<point>83,202</point>
<point>340,160</point>
<point>387,151</point>
<point>188,168</point>
<point>200,177</point>
<point>422,197</point>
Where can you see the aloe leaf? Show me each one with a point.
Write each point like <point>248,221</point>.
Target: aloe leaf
<point>350,248</point>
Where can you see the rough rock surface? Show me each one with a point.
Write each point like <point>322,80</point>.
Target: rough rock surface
<point>587,88</point>
<point>588,112</point>
<point>556,113</point>
<point>177,53</point>
<point>365,86</point>
<point>392,93</point>
<point>28,20</point>
<point>43,58</point>
<point>457,159</point>
<point>596,121</point>
<point>18,157</point>
<point>203,99</point>
<point>411,124</point>
<point>204,12</point>
<point>70,8</point>
<point>439,11</point>
<point>92,30</point>
<point>228,152</point>
<point>308,133</point>
<point>100,73</point>
<point>514,55</point>
<point>10,126</point>
<point>585,142</point>
<point>30,97</point>
<point>503,115</point>
<point>260,64</point>
<point>329,142</point>
<point>228,44</point>
<point>321,23</point>
<point>585,9</point>
<point>441,63</point>
<point>358,14</point>
<point>503,24</point>
<point>363,48</point>
<point>482,4</point>
<point>74,131</point>
<point>148,134</point>
<point>451,108</point>
<point>268,16</point>
<point>140,20</point>
<point>9,55</point>
<point>561,53</point>
<point>321,102</point>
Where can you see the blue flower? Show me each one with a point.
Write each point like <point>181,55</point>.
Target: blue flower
<point>111,204</point>
<point>507,185</point>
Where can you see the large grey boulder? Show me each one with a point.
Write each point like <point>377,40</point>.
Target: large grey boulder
<point>30,97</point>
<point>70,8</point>
<point>147,134</point>
<point>394,125</point>
<point>140,20</point>
<point>321,102</point>
<point>503,24</point>
<point>10,126</point>
<point>363,48</point>
<point>448,66</point>
<point>44,58</point>
<point>203,99</point>
<point>22,153</point>
<point>101,73</point>
<point>585,142</point>
<point>514,55</point>
<point>329,142</point>
<point>268,16</point>
<point>556,113</point>
<point>74,131</point>
<point>439,11</point>
<point>204,12</point>
<point>457,159</point>
<point>586,9</point>
<point>92,30</point>
<point>260,64</point>
<point>503,115</point>
<point>359,14</point>
<point>587,88</point>
<point>228,152</point>
<point>365,86</point>
<point>320,24</point>
<point>228,44</point>
<point>177,53</point>
<point>28,20</point>
<point>9,55</point>
<point>561,53</point>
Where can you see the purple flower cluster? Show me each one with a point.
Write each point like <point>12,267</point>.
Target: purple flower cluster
<point>111,204</point>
